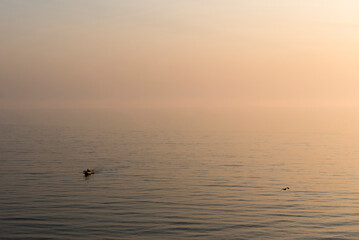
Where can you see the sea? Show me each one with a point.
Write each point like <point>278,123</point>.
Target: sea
<point>177,184</point>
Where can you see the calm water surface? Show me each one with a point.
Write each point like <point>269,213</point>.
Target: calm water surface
<point>177,184</point>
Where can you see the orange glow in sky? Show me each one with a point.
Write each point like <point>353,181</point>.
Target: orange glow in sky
<point>159,53</point>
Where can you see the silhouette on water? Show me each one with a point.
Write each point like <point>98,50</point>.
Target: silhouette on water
<point>88,172</point>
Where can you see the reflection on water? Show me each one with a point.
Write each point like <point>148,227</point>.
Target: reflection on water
<point>177,185</point>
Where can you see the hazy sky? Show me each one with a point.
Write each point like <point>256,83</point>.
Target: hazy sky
<point>187,53</point>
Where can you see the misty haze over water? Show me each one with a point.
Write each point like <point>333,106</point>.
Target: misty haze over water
<point>203,119</point>
<point>259,119</point>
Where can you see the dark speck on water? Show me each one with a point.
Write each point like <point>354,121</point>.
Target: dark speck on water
<point>176,185</point>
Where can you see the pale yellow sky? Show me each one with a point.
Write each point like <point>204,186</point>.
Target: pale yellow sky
<point>188,53</point>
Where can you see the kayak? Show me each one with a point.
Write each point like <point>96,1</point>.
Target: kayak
<point>87,173</point>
